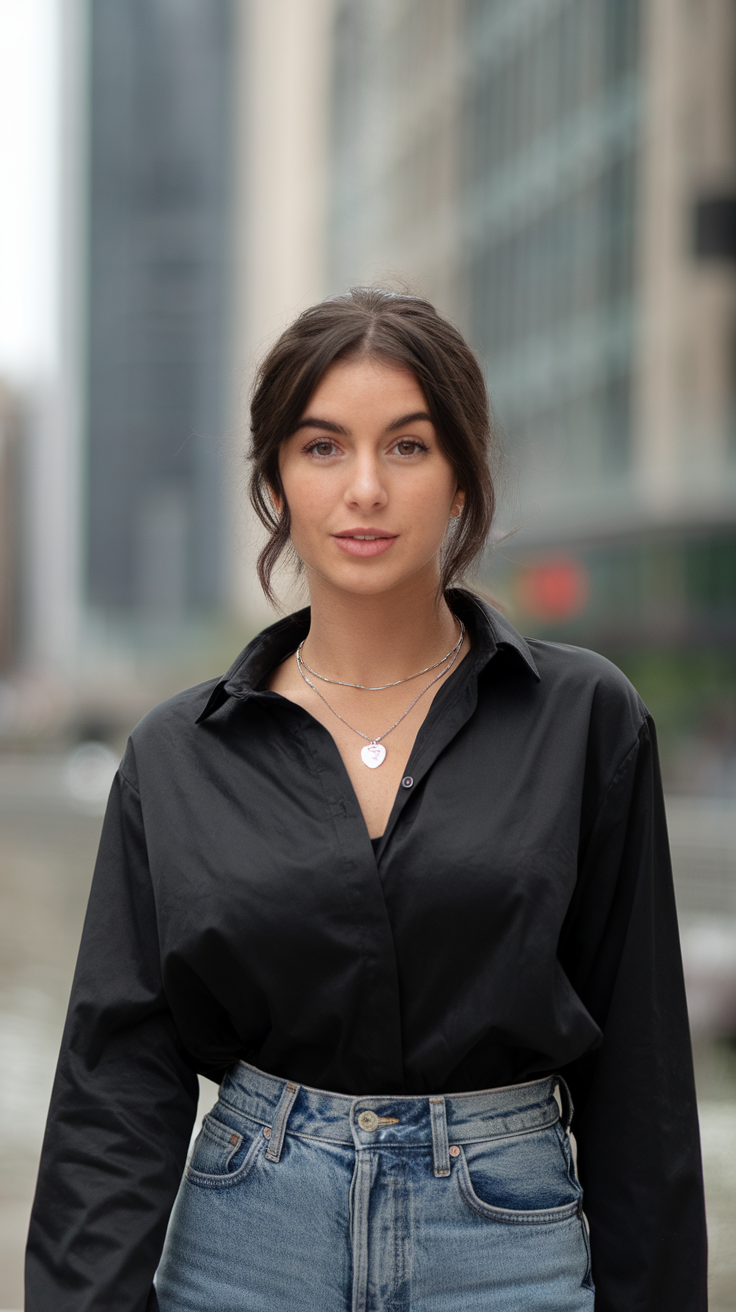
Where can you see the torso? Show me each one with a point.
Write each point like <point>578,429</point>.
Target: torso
<point>372,712</point>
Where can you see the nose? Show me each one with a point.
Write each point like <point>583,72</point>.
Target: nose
<point>366,490</point>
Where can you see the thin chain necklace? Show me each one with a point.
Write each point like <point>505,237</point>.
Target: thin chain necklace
<point>374,753</point>
<point>381,687</point>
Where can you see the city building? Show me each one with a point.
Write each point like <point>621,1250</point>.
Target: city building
<point>560,177</point>
<point>189,198</point>
<point>157,320</point>
<point>123,518</point>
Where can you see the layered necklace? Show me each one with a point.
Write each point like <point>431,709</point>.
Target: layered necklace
<point>374,753</point>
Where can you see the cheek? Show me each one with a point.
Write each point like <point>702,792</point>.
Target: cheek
<point>310,497</point>
<point>428,503</point>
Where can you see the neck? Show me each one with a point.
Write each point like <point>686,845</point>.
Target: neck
<point>376,639</point>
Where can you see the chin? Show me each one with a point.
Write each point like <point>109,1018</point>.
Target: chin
<point>366,586</point>
<point>371,582</point>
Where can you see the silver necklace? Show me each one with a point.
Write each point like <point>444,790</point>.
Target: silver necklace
<point>374,753</point>
<point>381,687</point>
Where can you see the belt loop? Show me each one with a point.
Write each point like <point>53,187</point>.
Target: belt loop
<point>278,1129</point>
<point>440,1143</point>
<point>565,1099</point>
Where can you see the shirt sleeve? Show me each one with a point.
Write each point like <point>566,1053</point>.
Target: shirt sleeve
<point>123,1102</point>
<point>635,1110</point>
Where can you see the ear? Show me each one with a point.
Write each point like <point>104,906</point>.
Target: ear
<point>277,499</point>
<point>458,501</point>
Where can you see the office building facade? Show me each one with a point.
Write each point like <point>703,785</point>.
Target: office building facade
<point>557,175</point>
<point>551,117</point>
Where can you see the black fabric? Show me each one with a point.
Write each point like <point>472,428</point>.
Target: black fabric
<point>520,920</point>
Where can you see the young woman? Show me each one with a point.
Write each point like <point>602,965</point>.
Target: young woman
<point>400,882</point>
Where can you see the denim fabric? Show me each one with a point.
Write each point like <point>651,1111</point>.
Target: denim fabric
<point>298,1200</point>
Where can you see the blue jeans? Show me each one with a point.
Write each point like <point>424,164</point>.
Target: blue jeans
<point>298,1200</point>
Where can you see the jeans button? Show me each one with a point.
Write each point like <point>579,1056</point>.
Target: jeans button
<point>368,1121</point>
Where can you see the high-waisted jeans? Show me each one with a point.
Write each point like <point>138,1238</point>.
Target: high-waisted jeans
<point>298,1200</point>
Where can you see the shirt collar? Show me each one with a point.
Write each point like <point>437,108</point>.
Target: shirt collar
<point>489,631</point>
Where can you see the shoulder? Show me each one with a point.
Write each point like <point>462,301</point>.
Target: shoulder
<point>178,712</point>
<point>561,665</point>
<point>166,727</point>
<point>588,696</point>
<point>582,682</point>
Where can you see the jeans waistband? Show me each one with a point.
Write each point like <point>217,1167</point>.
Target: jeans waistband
<point>393,1120</point>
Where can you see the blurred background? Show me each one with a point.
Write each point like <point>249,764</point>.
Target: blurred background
<point>178,178</point>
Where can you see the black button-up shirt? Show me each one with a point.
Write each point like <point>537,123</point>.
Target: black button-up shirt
<point>516,918</point>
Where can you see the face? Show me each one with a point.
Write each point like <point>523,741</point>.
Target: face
<point>368,486</point>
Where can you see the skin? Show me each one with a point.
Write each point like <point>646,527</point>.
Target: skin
<point>366,461</point>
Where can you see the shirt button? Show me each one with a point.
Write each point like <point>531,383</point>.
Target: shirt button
<point>407,781</point>
<point>368,1121</point>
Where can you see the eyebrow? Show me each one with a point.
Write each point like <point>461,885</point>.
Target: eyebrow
<point>328,426</point>
<point>409,419</point>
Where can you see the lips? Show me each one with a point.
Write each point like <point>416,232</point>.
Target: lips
<point>364,541</point>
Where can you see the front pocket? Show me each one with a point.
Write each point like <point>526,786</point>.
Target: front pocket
<point>524,1178</point>
<point>222,1156</point>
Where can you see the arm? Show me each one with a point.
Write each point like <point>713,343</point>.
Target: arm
<point>123,1102</point>
<point>636,1116</point>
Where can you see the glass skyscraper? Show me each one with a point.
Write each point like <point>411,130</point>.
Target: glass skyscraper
<point>159,190</point>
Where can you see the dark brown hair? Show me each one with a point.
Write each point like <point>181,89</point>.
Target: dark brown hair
<point>402,330</point>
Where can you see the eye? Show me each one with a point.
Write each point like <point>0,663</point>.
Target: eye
<point>409,446</point>
<point>322,447</point>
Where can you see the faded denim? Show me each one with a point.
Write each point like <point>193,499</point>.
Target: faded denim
<point>298,1200</point>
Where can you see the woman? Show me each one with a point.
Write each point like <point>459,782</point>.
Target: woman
<point>400,882</point>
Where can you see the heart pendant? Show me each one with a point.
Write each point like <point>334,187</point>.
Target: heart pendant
<point>373,755</point>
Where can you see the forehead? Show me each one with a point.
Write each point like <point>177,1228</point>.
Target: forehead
<point>366,385</point>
